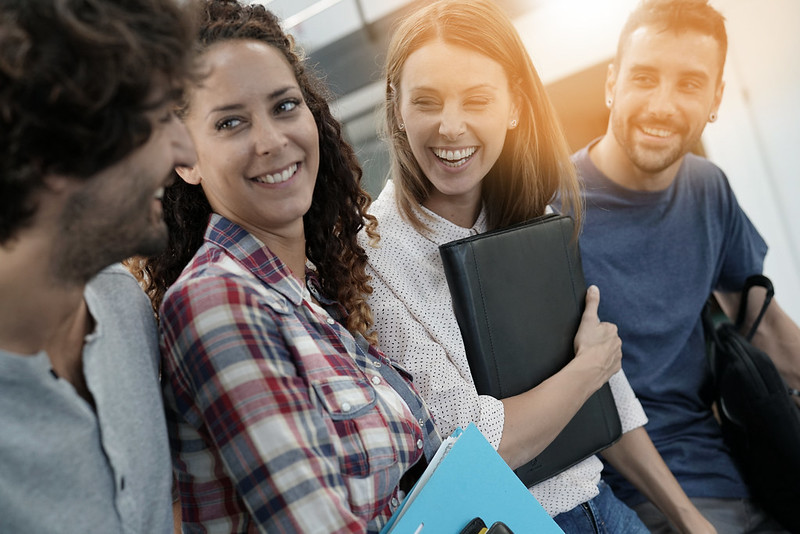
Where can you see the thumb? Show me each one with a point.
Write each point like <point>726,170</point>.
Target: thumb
<point>592,303</point>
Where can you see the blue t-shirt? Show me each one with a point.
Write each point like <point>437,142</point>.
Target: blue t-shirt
<point>656,257</point>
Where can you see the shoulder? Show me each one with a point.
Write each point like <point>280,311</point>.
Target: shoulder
<point>701,172</point>
<point>385,208</point>
<point>125,322</point>
<point>397,236</point>
<point>116,279</point>
<point>707,184</point>
<point>115,291</point>
<point>215,285</point>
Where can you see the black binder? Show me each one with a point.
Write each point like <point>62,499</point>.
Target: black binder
<point>518,295</point>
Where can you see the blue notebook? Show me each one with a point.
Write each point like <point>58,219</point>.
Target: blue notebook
<point>467,479</point>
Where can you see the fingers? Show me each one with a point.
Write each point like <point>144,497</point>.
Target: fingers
<point>592,303</point>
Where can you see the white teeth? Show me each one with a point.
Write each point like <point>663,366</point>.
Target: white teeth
<point>278,177</point>
<point>454,158</point>
<point>159,193</point>
<point>656,132</point>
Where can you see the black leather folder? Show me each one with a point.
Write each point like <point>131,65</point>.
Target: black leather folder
<point>518,295</point>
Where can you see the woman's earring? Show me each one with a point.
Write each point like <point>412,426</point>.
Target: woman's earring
<point>609,102</point>
<point>402,126</point>
<point>712,117</point>
<point>513,123</point>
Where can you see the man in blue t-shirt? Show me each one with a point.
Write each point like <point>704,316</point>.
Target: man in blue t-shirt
<point>662,231</point>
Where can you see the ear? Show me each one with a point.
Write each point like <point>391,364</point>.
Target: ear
<point>190,175</point>
<point>718,97</point>
<point>611,83</point>
<point>398,117</point>
<point>516,107</point>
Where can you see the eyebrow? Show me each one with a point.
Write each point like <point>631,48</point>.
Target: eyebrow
<point>468,89</point>
<point>691,73</point>
<point>277,93</point>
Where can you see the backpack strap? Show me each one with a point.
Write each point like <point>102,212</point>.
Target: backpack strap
<point>754,280</point>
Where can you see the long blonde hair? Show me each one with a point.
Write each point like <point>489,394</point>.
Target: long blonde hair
<point>534,166</point>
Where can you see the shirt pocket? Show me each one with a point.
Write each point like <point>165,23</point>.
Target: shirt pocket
<point>366,444</point>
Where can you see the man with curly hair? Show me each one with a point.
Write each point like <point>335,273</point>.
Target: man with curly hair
<point>88,139</point>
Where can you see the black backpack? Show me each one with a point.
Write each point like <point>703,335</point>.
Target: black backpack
<point>760,420</point>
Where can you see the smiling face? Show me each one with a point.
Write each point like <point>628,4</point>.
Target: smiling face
<point>257,143</point>
<point>663,92</point>
<point>456,107</point>
<point>117,212</point>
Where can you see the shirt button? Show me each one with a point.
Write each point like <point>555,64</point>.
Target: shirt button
<point>395,502</point>
<point>419,444</point>
<point>376,364</point>
<point>346,407</point>
<point>330,320</point>
<point>422,422</point>
<point>376,380</point>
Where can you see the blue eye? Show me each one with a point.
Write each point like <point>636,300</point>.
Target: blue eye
<point>287,105</point>
<point>227,124</point>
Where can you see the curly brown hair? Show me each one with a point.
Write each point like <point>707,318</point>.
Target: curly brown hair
<point>339,204</point>
<point>77,78</point>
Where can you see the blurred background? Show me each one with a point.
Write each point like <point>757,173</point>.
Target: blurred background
<point>756,140</point>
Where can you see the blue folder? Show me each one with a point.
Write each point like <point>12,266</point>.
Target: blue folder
<point>468,479</point>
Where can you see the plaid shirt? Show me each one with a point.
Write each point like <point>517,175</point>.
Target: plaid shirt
<point>280,420</point>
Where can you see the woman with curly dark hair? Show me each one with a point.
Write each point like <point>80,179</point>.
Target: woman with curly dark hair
<point>282,416</point>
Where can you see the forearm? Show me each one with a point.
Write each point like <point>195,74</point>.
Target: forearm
<point>637,459</point>
<point>533,419</point>
<point>779,337</point>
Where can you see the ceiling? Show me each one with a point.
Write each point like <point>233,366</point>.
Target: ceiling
<point>346,39</point>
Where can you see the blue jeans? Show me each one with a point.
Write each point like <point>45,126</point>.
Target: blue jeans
<point>605,514</point>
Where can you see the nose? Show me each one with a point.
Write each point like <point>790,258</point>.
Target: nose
<point>451,122</point>
<point>267,136</point>
<point>185,154</point>
<point>661,103</point>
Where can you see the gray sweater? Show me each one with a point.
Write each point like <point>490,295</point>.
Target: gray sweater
<point>65,467</point>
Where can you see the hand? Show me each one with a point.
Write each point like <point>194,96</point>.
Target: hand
<point>698,525</point>
<point>597,344</point>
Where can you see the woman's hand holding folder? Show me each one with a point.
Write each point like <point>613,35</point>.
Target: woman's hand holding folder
<point>598,356</point>
<point>597,344</point>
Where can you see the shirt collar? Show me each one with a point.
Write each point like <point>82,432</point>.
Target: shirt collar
<point>254,256</point>
<point>443,231</point>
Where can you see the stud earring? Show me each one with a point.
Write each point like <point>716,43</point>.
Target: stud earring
<point>513,123</point>
<point>712,117</point>
<point>402,126</point>
<point>609,102</point>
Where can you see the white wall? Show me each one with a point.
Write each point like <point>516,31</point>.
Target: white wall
<point>756,140</point>
<point>757,137</point>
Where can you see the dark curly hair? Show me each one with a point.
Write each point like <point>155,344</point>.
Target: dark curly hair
<point>77,78</point>
<point>338,207</point>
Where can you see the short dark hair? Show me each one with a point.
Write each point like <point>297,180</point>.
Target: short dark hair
<point>77,78</point>
<point>676,16</point>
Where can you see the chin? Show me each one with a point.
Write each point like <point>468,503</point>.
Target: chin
<point>152,244</point>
